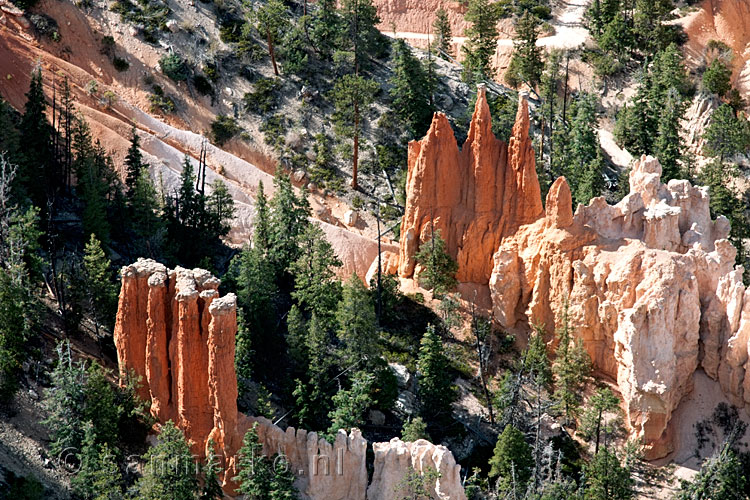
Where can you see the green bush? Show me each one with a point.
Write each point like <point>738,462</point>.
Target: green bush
<point>120,64</point>
<point>174,67</point>
<point>274,131</point>
<point>717,78</point>
<point>25,4</point>
<point>264,98</point>
<point>211,71</point>
<point>223,128</point>
<point>161,102</point>
<point>150,15</point>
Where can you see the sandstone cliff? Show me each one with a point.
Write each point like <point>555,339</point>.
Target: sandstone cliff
<point>474,196</point>
<point>176,333</point>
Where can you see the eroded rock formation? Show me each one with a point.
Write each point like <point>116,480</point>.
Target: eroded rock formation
<point>650,282</point>
<point>176,333</point>
<point>474,196</point>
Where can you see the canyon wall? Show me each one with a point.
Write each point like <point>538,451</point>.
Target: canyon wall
<point>473,196</point>
<point>175,332</point>
<point>650,282</point>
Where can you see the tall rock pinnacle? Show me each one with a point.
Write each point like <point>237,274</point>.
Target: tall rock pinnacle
<point>474,196</point>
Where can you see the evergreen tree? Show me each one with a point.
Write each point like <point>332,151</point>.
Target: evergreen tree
<point>439,268</point>
<point>350,405</point>
<point>443,34</point>
<point>98,477</point>
<point>668,144</point>
<point>16,320</point>
<point>170,472</point>
<point>36,137</point>
<point>594,422</point>
<point>607,479</point>
<point>726,134</point>
<point>352,97</point>
<point>9,136</point>
<point>435,390</point>
<point>259,477</point>
<point>511,462</point>
<point>410,90</point>
<point>359,34</point>
<point>414,429</point>
<point>311,397</point>
<point>101,405</point>
<point>65,402</point>
<point>572,364</point>
<point>526,64</point>
<point>220,210</point>
<point>101,290</point>
<point>271,20</point>
<point>585,169</point>
<point>718,78</point>
<point>288,220</point>
<point>617,37</point>
<point>481,44</point>
<point>146,222</point>
<point>315,286</point>
<point>356,324</point>
<point>211,486</point>
<point>722,477</point>
<point>325,29</point>
<point>133,164</point>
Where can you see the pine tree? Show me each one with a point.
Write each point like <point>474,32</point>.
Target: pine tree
<point>288,220</point>
<point>101,290</point>
<point>315,286</point>
<point>586,164</point>
<point>526,64</point>
<point>572,364</point>
<point>435,390</point>
<point>147,224</point>
<point>220,210</point>
<point>607,479</point>
<point>726,135</point>
<point>271,19</point>
<point>326,28</point>
<point>350,405</point>
<point>439,268</point>
<point>98,477</point>
<point>133,164</point>
<point>356,325</point>
<point>36,137</point>
<point>414,429</point>
<point>668,144</point>
<point>482,40</point>
<point>359,34</point>
<point>262,223</point>
<point>65,401</point>
<point>410,90</point>
<point>443,34</point>
<point>101,405</point>
<point>254,474</point>
<point>211,486</point>
<point>722,477</point>
<point>511,462</point>
<point>170,472</point>
<point>16,318</point>
<point>352,97</point>
<point>594,422</point>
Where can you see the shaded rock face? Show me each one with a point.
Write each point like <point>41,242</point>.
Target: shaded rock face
<point>474,196</point>
<point>175,332</point>
<point>651,287</point>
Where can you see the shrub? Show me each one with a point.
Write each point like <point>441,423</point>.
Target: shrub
<point>108,99</point>
<point>203,85</point>
<point>717,78</point>
<point>108,45</point>
<point>174,67</point>
<point>211,71</point>
<point>25,4</point>
<point>160,101</point>
<point>274,131</point>
<point>92,87</point>
<point>45,26</point>
<point>224,128</point>
<point>120,64</point>
<point>151,16</point>
<point>263,98</point>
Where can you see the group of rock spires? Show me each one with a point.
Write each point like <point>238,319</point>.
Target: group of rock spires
<point>650,282</point>
<point>177,335</point>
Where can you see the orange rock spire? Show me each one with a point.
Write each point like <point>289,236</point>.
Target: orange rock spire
<point>474,196</point>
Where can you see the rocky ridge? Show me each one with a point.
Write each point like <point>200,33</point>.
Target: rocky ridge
<point>176,332</point>
<point>650,282</point>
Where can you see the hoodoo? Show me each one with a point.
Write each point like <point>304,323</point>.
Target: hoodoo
<point>474,196</point>
<point>650,282</point>
<point>176,333</point>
